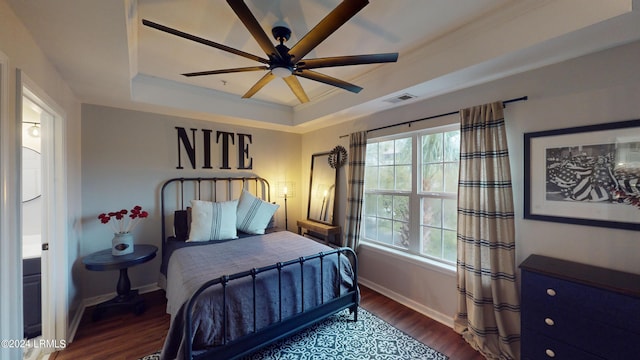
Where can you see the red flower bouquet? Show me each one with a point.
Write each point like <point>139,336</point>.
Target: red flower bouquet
<point>120,223</point>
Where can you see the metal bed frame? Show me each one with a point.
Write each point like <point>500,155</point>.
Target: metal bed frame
<point>258,338</point>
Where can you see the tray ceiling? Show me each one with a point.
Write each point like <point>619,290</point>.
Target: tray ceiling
<point>108,57</point>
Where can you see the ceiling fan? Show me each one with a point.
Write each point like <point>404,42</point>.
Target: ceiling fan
<point>284,62</point>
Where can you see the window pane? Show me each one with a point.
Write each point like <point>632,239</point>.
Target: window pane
<point>386,178</point>
<point>385,206</point>
<point>386,153</point>
<point>432,242</point>
<point>450,245</point>
<point>401,208</point>
<point>403,151</point>
<point>372,155</point>
<point>450,214</point>
<point>385,231</point>
<point>432,178</point>
<point>451,177</point>
<point>370,204</point>
<point>371,177</point>
<point>431,212</point>
<point>370,228</point>
<point>452,145</point>
<point>432,148</point>
<point>403,177</point>
<point>401,234</point>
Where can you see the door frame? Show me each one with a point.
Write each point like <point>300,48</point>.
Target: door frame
<point>10,256</point>
<point>55,261</point>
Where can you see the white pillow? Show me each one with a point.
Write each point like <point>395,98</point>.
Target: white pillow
<point>254,213</point>
<point>213,220</point>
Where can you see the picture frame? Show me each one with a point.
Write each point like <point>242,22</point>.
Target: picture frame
<point>585,175</point>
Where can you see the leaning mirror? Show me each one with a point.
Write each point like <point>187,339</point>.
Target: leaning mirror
<point>322,189</point>
<point>31,174</point>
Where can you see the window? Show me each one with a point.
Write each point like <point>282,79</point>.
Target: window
<point>413,208</point>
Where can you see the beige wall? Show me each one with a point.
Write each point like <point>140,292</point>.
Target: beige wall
<point>126,155</point>
<point>603,87</point>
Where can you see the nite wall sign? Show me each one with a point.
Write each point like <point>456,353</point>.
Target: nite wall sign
<point>225,145</point>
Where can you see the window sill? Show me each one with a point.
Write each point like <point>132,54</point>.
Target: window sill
<point>410,258</point>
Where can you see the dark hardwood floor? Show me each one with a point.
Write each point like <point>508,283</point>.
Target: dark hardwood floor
<point>126,336</point>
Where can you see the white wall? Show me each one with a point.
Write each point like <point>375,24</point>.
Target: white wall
<point>23,53</point>
<point>603,87</point>
<point>126,155</point>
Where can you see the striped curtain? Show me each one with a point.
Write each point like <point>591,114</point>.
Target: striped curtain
<point>488,314</point>
<point>355,188</point>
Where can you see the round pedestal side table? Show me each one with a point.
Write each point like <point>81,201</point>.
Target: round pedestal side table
<point>126,299</point>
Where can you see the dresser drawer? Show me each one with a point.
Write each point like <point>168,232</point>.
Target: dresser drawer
<point>579,300</point>
<point>540,347</point>
<point>591,336</point>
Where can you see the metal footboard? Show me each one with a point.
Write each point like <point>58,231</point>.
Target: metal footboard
<point>235,348</point>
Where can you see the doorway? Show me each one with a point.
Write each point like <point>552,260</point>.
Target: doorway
<point>43,218</point>
<point>32,215</point>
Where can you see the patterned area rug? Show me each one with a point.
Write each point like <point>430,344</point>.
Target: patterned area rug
<point>339,337</point>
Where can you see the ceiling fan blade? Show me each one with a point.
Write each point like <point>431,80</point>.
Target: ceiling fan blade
<point>297,89</point>
<point>259,85</point>
<point>226,71</point>
<point>347,60</point>
<point>336,18</point>
<point>250,22</point>
<point>203,41</point>
<point>312,75</point>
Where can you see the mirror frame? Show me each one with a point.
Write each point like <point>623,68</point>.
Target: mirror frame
<point>324,156</point>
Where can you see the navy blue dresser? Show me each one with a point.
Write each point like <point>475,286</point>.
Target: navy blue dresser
<point>577,311</point>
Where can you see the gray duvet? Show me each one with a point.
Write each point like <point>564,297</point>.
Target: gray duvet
<point>191,267</point>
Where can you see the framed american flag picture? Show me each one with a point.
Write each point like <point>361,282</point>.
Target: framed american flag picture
<point>587,175</point>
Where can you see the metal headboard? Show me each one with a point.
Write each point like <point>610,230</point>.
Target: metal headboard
<point>183,190</point>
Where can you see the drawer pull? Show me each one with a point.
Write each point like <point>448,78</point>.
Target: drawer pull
<point>550,353</point>
<point>549,321</point>
<point>551,292</point>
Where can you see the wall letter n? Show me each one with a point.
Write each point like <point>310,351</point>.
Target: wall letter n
<point>191,150</point>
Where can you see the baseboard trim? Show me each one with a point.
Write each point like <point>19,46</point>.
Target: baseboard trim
<point>75,322</point>
<point>95,300</point>
<point>412,304</point>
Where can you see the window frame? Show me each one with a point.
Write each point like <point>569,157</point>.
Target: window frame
<point>415,195</point>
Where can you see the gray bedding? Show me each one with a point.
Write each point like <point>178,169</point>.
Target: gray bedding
<point>191,267</point>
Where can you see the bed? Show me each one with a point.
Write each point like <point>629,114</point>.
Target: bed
<point>230,297</point>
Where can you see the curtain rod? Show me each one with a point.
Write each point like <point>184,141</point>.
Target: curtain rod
<point>523,98</point>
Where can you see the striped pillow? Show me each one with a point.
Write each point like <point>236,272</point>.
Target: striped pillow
<point>254,214</point>
<point>213,220</point>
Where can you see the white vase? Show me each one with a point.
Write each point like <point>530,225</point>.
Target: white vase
<point>121,244</point>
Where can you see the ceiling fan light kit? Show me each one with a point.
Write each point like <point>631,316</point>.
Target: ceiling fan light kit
<point>286,63</point>
<point>281,71</point>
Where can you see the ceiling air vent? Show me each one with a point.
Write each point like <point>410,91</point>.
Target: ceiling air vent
<point>400,98</point>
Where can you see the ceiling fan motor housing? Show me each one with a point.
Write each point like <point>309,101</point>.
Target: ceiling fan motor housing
<point>281,33</point>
